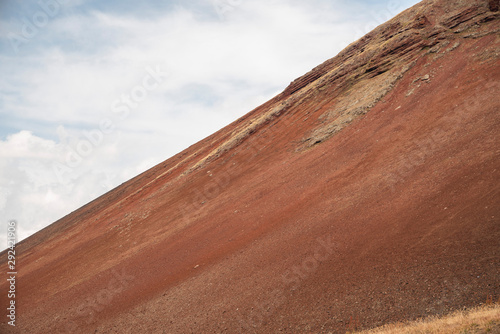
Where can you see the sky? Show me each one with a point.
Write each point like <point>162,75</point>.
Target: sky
<point>93,92</point>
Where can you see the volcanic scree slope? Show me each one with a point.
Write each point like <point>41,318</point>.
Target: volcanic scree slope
<point>367,190</point>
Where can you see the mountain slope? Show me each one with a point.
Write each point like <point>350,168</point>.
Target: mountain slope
<point>367,190</point>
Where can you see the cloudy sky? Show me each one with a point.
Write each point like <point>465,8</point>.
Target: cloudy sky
<point>95,92</point>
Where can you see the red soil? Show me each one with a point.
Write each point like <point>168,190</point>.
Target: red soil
<point>311,214</point>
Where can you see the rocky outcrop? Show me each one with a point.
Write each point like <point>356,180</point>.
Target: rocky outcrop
<point>389,50</point>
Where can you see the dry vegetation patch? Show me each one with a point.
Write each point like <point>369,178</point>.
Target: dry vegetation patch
<point>484,319</point>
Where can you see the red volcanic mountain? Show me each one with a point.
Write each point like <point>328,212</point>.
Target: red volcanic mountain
<point>367,192</point>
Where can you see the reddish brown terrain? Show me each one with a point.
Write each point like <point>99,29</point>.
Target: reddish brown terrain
<point>367,192</point>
